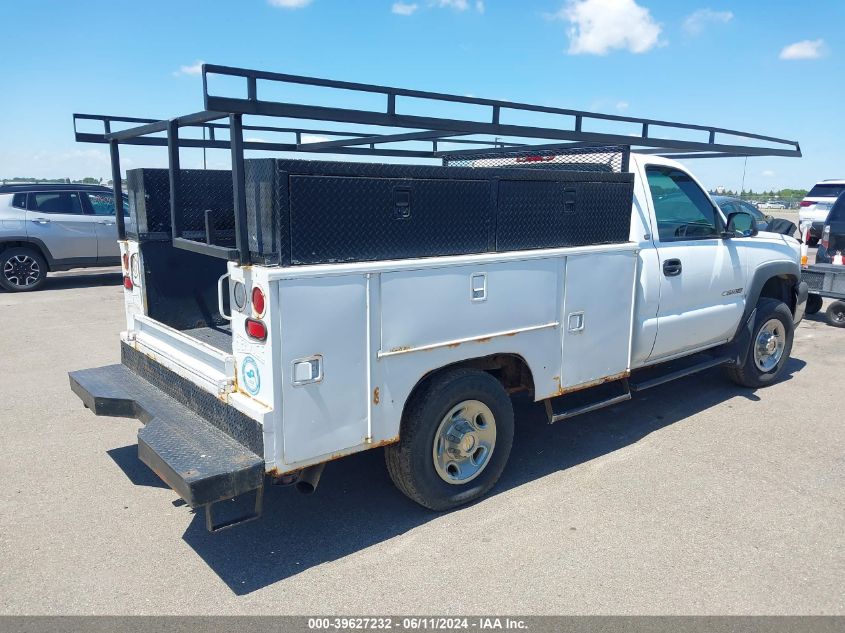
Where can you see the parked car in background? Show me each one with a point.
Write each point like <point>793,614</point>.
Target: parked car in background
<point>50,227</point>
<point>730,205</point>
<point>816,205</point>
<point>772,204</point>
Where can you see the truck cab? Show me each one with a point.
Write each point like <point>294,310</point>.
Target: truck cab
<point>696,280</point>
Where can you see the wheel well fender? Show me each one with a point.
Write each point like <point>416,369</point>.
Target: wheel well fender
<point>28,242</point>
<point>510,370</point>
<point>775,280</point>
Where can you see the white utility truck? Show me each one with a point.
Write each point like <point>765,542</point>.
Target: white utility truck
<point>288,312</point>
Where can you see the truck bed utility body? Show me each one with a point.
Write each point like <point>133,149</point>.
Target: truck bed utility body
<point>289,312</point>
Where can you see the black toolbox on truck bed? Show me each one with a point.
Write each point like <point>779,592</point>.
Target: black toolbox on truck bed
<point>315,212</point>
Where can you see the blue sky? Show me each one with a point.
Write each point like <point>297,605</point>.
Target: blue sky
<point>773,67</point>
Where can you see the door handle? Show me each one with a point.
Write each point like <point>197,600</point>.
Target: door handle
<point>672,267</point>
<point>106,223</point>
<point>41,221</point>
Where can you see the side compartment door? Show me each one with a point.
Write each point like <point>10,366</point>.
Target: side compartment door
<point>324,365</point>
<point>597,317</point>
<point>702,275</point>
<point>57,219</point>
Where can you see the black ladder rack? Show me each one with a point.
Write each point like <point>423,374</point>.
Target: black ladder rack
<point>506,138</point>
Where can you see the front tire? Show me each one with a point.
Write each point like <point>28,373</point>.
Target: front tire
<point>770,346</point>
<point>455,439</point>
<point>22,269</point>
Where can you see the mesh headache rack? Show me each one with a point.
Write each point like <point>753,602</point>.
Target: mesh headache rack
<point>493,134</point>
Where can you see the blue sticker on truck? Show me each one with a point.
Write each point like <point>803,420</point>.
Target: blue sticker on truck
<point>250,378</point>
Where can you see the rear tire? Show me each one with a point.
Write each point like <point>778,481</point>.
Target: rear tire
<point>455,439</point>
<point>814,304</point>
<point>22,269</point>
<point>835,314</point>
<point>770,346</point>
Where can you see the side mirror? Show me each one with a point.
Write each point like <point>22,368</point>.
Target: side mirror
<point>741,224</point>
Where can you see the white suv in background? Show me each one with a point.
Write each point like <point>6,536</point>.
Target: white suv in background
<point>816,205</point>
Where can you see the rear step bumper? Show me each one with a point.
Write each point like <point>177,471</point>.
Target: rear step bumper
<point>197,460</point>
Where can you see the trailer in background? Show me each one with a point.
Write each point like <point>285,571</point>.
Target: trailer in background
<point>826,281</point>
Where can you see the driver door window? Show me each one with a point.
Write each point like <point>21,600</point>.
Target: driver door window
<point>681,208</point>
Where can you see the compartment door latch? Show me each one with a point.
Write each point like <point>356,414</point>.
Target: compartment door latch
<point>401,204</point>
<point>478,287</point>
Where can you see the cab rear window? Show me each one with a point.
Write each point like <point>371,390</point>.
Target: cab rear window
<point>826,191</point>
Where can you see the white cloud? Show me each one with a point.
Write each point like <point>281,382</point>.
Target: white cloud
<point>459,5</point>
<point>400,8</point>
<point>696,21</point>
<point>768,173</point>
<point>622,105</point>
<point>312,138</point>
<point>289,4</point>
<point>806,49</point>
<point>193,69</point>
<point>599,26</point>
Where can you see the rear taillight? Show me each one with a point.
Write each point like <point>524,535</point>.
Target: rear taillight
<point>807,203</point>
<point>258,302</point>
<point>256,329</point>
<point>127,282</point>
<point>826,237</point>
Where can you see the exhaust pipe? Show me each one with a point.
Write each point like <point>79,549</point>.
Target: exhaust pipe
<point>309,478</point>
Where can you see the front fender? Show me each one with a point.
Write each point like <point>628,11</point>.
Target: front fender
<point>788,270</point>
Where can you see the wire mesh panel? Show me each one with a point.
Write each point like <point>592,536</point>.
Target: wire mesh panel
<point>593,159</point>
<point>815,280</point>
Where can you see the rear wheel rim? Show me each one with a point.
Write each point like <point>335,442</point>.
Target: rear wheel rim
<point>21,271</point>
<point>464,442</point>
<point>837,314</point>
<point>769,345</point>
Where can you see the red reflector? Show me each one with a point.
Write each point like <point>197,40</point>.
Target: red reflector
<point>127,282</point>
<point>258,301</point>
<point>807,203</point>
<point>256,329</point>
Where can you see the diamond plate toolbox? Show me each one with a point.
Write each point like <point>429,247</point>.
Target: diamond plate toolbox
<point>314,212</point>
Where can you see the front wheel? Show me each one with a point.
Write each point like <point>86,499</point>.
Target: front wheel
<point>771,345</point>
<point>836,314</point>
<point>455,439</point>
<point>22,269</point>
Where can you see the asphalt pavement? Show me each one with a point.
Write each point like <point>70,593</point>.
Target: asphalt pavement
<point>696,497</point>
